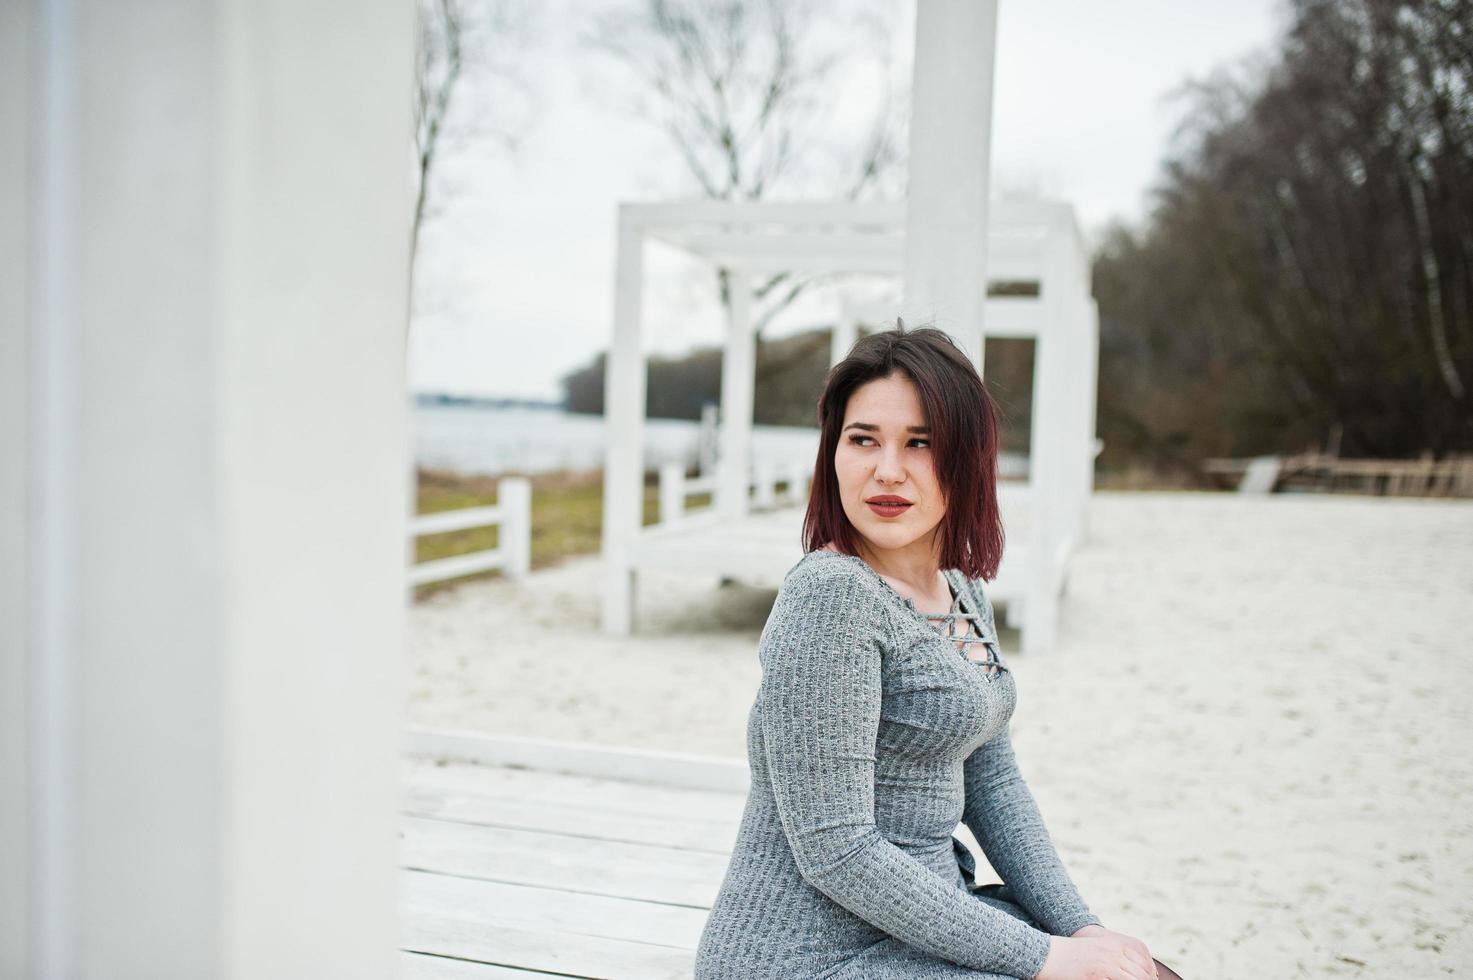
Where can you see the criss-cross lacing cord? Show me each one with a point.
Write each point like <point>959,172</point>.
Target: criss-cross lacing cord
<point>993,663</point>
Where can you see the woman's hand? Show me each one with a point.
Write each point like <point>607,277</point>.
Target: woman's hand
<point>1096,953</point>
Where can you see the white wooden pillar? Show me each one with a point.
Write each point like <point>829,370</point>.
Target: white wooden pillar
<point>846,332</point>
<point>738,383</point>
<point>1051,436</point>
<point>204,227</point>
<point>624,404</point>
<point>950,160</point>
<point>17,592</point>
<point>1090,392</point>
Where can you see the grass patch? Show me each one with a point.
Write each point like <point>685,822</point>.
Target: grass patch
<point>567,517</point>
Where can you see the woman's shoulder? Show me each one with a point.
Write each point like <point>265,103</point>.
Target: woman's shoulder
<point>823,566</point>
<point>825,578</point>
<point>826,590</point>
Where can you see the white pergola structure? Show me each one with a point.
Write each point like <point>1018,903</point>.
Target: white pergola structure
<point>1031,242</point>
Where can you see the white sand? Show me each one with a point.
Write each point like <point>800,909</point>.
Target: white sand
<point>1252,745</point>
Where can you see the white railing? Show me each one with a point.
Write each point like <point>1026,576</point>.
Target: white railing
<point>512,513</point>
<point>675,487</point>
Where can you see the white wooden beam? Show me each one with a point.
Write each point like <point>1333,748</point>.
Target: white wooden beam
<point>738,384</point>
<point>624,406</point>
<point>946,241</point>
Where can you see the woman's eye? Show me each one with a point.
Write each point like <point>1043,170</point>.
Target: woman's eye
<point>857,440</point>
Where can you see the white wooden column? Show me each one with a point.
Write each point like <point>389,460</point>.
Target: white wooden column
<point>738,383</point>
<point>1051,437</point>
<point>1090,392</point>
<point>17,592</point>
<point>624,404</point>
<point>205,482</point>
<point>950,161</point>
<point>846,332</point>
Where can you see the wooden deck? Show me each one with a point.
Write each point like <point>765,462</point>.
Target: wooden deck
<point>531,858</point>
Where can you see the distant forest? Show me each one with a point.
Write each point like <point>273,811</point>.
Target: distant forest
<point>790,374</point>
<point>1305,277</point>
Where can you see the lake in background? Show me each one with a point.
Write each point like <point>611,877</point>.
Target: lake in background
<point>491,440</point>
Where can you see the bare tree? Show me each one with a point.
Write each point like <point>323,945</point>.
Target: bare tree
<point>742,89</point>
<point>466,48</point>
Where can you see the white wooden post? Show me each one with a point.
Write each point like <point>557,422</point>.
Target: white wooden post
<point>950,160</point>
<point>764,475</point>
<point>21,148</point>
<point>706,443</point>
<point>624,404</point>
<point>846,332</point>
<point>1089,385</point>
<point>201,768</point>
<point>514,538</point>
<point>672,492</point>
<point>1048,470</point>
<point>738,381</point>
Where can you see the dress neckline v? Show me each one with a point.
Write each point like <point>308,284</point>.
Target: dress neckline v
<point>958,591</point>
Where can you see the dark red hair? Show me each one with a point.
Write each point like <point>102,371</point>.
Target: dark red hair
<point>964,440</point>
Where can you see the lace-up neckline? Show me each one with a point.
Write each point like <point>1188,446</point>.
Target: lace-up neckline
<point>971,632</point>
<point>993,666</point>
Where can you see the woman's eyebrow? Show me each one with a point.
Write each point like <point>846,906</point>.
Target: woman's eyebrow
<point>871,427</point>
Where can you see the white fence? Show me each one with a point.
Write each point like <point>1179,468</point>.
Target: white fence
<point>512,512</point>
<point>675,486</point>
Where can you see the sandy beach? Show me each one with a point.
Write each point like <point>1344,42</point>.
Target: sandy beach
<point>1251,745</point>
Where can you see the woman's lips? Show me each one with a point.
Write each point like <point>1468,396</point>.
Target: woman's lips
<point>888,510</point>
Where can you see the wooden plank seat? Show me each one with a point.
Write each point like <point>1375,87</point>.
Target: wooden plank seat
<point>526,857</point>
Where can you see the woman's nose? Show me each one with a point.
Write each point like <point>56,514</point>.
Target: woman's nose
<point>889,468</point>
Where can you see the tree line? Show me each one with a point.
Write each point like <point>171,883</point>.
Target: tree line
<point>1306,276</point>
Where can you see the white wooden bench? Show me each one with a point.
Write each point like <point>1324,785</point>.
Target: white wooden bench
<point>527,857</point>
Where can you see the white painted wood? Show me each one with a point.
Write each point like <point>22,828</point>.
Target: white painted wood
<point>1005,316</point>
<point>654,766</point>
<point>1047,469</point>
<point>946,241</point>
<point>1261,475</point>
<point>456,520</point>
<point>17,592</point>
<point>589,820</point>
<point>569,914</point>
<point>539,949</point>
<point>738,384</point>
<point>624,406</point>
<point>423,966</point>
<point>514,493</point>
<point>443,569</point>
<point>764,480</point>
<point>1033,241</point>
<point>513,553</point>
<point>602,791</point>
<point>846,332</point>
<point>660,216</point>
<point>214,258</point>
<point>672,491</point>
<point>648,872</point>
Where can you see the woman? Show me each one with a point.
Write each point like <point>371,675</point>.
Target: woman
<point>874,730</point>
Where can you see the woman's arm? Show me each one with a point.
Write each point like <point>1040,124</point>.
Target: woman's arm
<point>821,693</point>
<point>1003,815</point>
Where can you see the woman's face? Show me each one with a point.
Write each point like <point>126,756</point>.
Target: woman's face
<point>885,450</point>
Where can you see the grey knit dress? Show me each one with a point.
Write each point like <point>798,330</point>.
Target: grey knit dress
<point>872,735</point>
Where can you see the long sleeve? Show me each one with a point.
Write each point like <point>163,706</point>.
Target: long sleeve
<point>1002,814</point>
<point>821,697</point>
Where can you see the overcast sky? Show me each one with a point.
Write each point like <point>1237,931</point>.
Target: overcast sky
<point>516,274</point>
